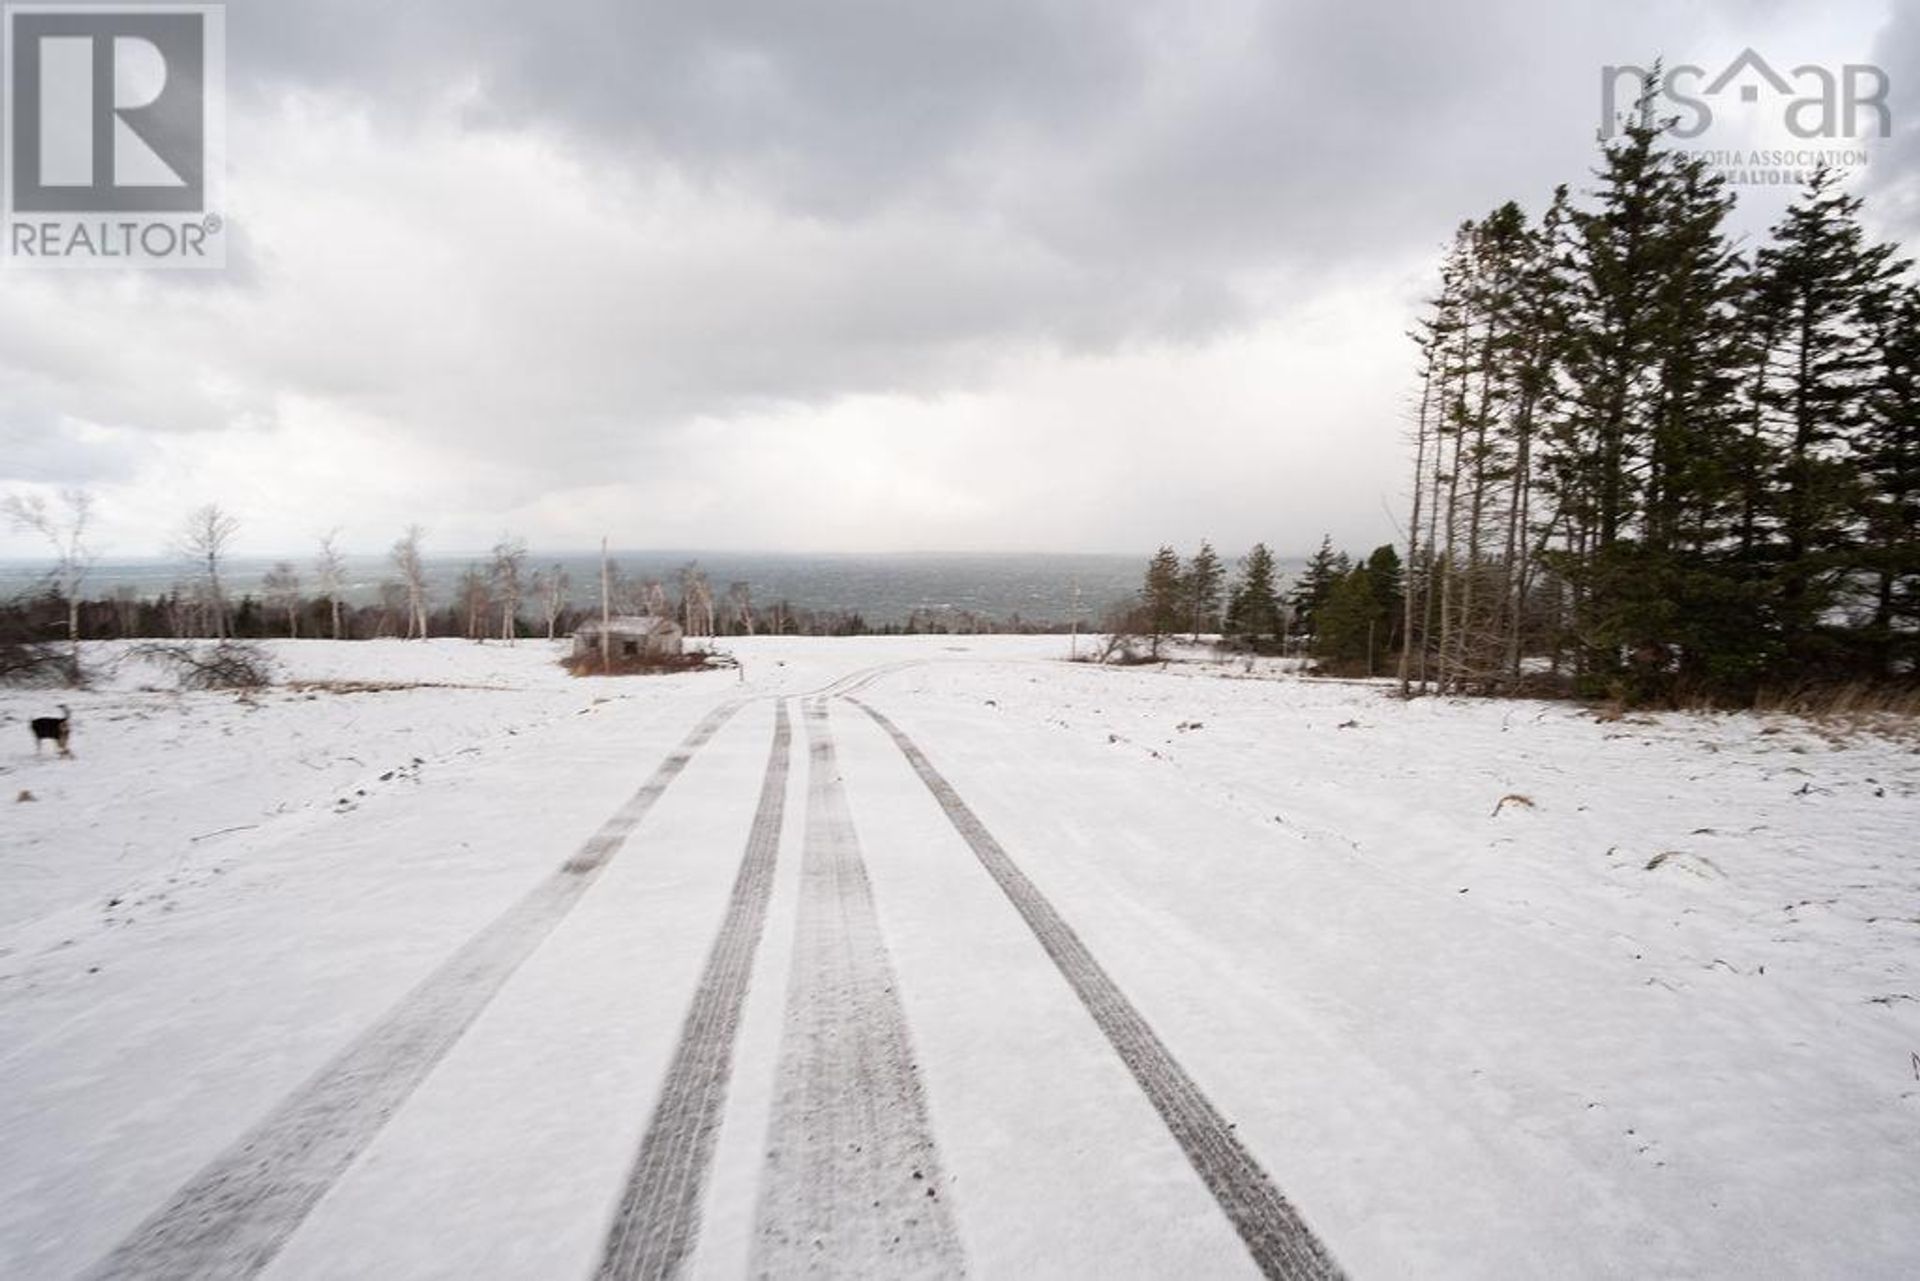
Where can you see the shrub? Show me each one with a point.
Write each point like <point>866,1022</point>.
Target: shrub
<point>38,664</point>
<point>227,664</point>
<point>694,660</point>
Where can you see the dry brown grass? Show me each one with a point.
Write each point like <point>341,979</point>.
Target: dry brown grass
<point>1853,698</point>
<point>1833,710</point>
<point>373,687</point>
<point>645,665</point>
<point>1840,711</point>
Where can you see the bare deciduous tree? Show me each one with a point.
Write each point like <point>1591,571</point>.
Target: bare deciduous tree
<point>66,534</point>
<point>553,588</point>
<point>413,576</point>
<point>696,601</point>
<point>126,609</point>
<point>393,607</point>
<point>280,591</point>
<point>473,596</point>
<point>508,575</point>
<point>179,609</point>
<point>332,569</point>
<point>208,534</point>
<point>740,606</point>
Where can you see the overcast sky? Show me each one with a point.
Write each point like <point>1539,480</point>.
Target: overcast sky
<point>995,275</point>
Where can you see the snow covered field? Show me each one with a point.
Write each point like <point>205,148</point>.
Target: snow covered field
<point>1488,989</point>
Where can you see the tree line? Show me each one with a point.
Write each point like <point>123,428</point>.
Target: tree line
<point>1342,612</point>
<point>1652,463</point>
<point>503,596</point>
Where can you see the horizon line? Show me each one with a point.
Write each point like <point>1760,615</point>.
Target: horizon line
<point>692,553</point>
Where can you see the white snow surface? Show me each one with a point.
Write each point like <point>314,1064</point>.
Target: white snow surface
<point>1491,989</point>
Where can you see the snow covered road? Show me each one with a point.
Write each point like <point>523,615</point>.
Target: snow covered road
<point>1281,1245</point>
<point>233,1217</point>
<point>935,956</point>
<point>658,1220</point>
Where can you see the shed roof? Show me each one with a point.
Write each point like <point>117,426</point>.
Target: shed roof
<point>629,625</point>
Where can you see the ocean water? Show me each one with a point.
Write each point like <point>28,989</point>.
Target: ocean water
<point>1037,587</point>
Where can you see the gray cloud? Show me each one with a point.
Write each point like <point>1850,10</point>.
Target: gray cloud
<point>1196,137</point>
<point>1894,183</point>
<point>543,249</point>
<point>48,451</point>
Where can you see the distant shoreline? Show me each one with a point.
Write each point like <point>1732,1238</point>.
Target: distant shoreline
<point>884,587</point>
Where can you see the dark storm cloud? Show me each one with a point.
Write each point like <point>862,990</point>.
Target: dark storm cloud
<point>1894,182</point>
<point>545,248</point>
<point>836,106</point>
<point>1197,138</point>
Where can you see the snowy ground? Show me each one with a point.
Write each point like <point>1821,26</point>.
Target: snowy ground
<point>1488,989</point>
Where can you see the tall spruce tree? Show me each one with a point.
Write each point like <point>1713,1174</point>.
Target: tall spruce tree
<point>1646,463</point>
<point>1316,583</point>
<point>1387,582</point>
<point>1540,317</point>
<point>1666,468</point>
<point>1359,618</point>
<point>1678,601</point>
<point>1163,597</point>
<point>1890,497</point>
<point>1612,351</point>
<point>1822,284</point>
<point>1255,613</point>
<point>1437,336</point>
<point>1347,621</point>
<point>1205,578</point>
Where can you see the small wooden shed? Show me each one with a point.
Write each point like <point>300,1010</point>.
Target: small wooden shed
<point>631,636</point>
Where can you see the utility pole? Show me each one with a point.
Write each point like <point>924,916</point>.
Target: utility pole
<point>606,610</point>
<point>1073,646</point>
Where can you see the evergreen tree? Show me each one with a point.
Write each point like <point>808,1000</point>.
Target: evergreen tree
<point>1255,612</point>
<point>1387,584</point>
<point>1438,336</point>
<point>1204,579</point>
<point>1486,413</point>
<point>1890,504</point>
<point>1316,583</point>
<point>1617,262</point>
<point>1648,457</point>
<point>1639,453</point>
<point>1491,348</point>
<point>1163,598</point>
<point>1673,595</point>
<point>1342,625</point>
<point>1627,318</point>
<point>1357,621</point>
<point>1823,285</point>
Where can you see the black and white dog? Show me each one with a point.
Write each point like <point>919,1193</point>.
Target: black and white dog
<point>53,729</point>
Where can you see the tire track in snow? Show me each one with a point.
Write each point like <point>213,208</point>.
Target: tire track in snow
<point>658,1219</point>
<point>852,1185</point>
<point>855,681</point>
<point>1275,1235</point>
<point>232,1217</point>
